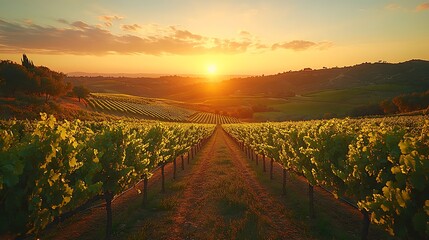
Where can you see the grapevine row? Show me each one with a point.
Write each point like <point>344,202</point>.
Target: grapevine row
<point>136,107</point>
<point>383,164</point>
<point>211,118</point>
<point>50,167</point>
<point>152,109</point>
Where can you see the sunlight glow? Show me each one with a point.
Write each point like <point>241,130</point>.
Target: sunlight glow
<point>212,69</point>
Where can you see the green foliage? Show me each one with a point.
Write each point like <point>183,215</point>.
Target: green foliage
<point>13,78</point>
<point>81,92</point>
<point>50,167</point>
<point>382,164</point>
<point>27,78</point>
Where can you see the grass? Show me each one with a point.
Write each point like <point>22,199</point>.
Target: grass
<point>360,95</point>
<point>340,102</point>
<point>243,101</point>
<point>335,102</point>
<point>137,222</point>
<point>302,110</point>
<point>222,207</point>
<point>222,210</point>
<point>330,222</point>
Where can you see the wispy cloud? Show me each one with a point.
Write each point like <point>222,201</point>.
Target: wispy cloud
<point>185,34</point>
<point>301,45</point>
<point>108,19</point>
<point>393,7</point>
<point>131,27</point>
<point>81,38</point>
<point>80,25</point>
<point>423,6</point>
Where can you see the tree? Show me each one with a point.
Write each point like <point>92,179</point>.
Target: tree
<point>51,83</point>
<point>27,63</point>
<point>14,77</point>
<point>81,92</point>
<point>388,107</point>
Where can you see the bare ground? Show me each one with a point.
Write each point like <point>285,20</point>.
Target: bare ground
<point>218,196</point>
<point>88,224</point>
<point>224,200</point>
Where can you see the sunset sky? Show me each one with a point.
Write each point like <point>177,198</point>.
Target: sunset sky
<point>198,37</point>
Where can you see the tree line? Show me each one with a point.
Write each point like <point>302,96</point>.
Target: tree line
<point>406,103</point>
<point>35,80</point>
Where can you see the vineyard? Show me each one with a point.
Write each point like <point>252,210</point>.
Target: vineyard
<point>153,109</point>
<point>204,117</point>
<point>51,167</point>
<point>381,164</point>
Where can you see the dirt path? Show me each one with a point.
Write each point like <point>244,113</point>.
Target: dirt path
<point>224,200</point>
<point>219,196</point>
<point>87,223</point>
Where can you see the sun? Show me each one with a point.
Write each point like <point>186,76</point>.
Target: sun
<point>211,69</point>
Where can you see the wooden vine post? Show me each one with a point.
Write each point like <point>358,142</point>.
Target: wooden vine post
<point>145,180</point>
<point>311,199</point>
<point>271,168</point>
<point>365,224</point>
<point>163,178</point>
<point>263,162</point>
<point>174,168</point>
<point>189,155</point>
<point>108,196</point>
<point>195,152</point>
<point>284,181</point>
<point>183,162</point>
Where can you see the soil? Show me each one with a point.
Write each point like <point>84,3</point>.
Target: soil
<point>219,196</point>
<point>223,199</point>
<point>85,224</point>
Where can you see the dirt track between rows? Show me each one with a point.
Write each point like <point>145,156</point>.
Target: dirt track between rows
<point>219,196</point>
<point>223,175</point>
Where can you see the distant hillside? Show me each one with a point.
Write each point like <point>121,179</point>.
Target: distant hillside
<point>141,86</point>
<point>293,95</point>
<point>413,74</point>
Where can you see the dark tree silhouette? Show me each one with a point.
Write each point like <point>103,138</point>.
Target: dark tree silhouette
<point>27,63</point>
<point>13,78</point>
<point>51,83</point>
<point>389,107</point>
<point>81,92</point>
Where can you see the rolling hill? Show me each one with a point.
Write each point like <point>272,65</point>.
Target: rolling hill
<point>304,94</point>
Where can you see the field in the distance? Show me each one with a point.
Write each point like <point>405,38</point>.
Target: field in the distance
<point>153,109</point>
<point>293,95</point>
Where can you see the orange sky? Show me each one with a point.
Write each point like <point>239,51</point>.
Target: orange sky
<point>237,37</point>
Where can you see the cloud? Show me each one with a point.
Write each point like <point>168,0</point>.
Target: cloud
<point>81,38</point>
<point>108,19</point>
<point>392,7</point>
<point>63,21</point>
<point>245,35</point>
<point>130,27</point>
<point>80,25</point>
<point>423,6</point>
<point>300,45</point>
<point>184,34</point>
